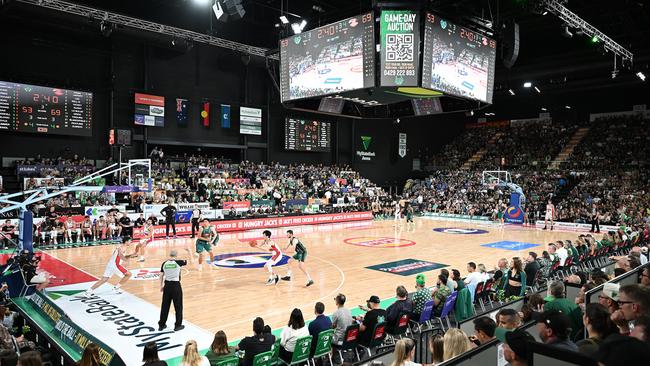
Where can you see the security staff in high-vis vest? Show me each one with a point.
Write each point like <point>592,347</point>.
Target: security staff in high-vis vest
<point>170,286</point>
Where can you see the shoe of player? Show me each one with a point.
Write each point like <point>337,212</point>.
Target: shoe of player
<point>269,281</point>
<point>286,278</point>
<point>311,282</point>
<point>141,259</point>
<point>167,237</point>
<point>276,280</point>
<point>179,328</point>
<point>175,238</point>
<point>117,291</point>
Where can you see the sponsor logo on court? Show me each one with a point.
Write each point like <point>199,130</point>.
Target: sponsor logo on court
<point>379,242</point>
<point>510,245</point>
<point>148,274</point>
<point>246,260</point>
<point>407,267</point>
<point>461,231</point>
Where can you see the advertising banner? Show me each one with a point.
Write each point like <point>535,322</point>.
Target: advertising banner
<point>95,211</point>
<point>237,205</point>
<point>30,183</point>
<point>400,44</point>
<point>69,332</point>
<point>264,223</point>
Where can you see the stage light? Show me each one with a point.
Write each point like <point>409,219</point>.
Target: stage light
<point>296,28</point>
<point>640,75</point>
<point>594,39</point>
<point>303,24</point>
<point>544,109</point>
<point>545,12</point>
<point>614,73</point>
<point>218,10</point>
<point>567,107</point>
<point>566,32</point>
<point>284,19</point>
<point>537,90</point>
<point>528,84</point>
<point>201,2</point>
<point>512,92</point>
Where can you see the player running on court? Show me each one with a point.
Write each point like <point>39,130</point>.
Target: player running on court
<point>147,231</point>
<point>300,256</point>
<point>409,214</point>
<point>550,214</point>
<point>207,235</point>
<point>275,257</point>
<point>114,267</point>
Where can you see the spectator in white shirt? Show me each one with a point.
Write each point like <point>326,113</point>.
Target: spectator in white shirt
<point>473,278</point>
<point>562,253</point>
<point>294,330</point>
<point>191,356</point>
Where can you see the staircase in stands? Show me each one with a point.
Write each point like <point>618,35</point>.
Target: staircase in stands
<point>564,155</point>
<point>481,152</point>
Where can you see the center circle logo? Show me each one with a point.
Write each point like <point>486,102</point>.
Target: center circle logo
<point>461,231</point>
<point>246,260</point>
<point>379,242</point>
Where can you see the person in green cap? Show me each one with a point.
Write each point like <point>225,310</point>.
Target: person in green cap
<point>420,297</point>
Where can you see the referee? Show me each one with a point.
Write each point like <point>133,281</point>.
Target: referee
<point>170,286</point>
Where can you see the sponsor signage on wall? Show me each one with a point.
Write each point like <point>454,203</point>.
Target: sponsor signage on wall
<point>264,223</point>
<point>365,154</point>
<point>401,149</point>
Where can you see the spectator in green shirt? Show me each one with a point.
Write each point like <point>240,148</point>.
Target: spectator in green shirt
<point>440,294</point>
<point>420,297</point>
<point>564,305</point>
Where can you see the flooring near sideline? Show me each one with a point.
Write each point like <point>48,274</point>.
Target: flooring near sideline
<point>358,259</point>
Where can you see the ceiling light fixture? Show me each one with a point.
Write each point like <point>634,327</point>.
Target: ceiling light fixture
<point>284,19</point>
<point>640,75</point>
<point>512,92</point>
<point>528,84</point>
<point>537,90</point>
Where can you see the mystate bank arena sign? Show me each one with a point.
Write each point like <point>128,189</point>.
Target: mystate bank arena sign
<point>364,154</point>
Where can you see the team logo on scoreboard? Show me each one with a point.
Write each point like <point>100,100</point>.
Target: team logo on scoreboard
<point>246,260</point>
<point>379,242</point>
<point>443,23</point>
<point>461,231</point>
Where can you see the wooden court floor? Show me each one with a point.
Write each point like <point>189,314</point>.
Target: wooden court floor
<point>230,298</point>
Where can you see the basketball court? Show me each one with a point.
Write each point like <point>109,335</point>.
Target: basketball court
<point>358,259</point>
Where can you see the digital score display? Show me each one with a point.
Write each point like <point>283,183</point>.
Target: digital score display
<point>457,60</point>
<point>327,60</point>
<point>45,110</point>
<point>307,135</point>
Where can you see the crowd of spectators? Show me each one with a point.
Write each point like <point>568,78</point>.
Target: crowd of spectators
<point>616,327</point>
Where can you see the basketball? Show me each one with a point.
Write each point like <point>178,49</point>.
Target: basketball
<point>252,243</point>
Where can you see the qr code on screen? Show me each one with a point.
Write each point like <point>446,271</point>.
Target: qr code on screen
<point>399,47</point>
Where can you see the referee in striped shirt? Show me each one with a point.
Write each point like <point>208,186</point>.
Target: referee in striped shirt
<point>170,286</point>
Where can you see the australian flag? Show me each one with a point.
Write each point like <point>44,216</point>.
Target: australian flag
<point>181,111</point>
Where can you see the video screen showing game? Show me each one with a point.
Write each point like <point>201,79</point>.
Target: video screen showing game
<point>328,60</point>
<point>457,60</point>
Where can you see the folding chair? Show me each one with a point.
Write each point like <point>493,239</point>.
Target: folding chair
<point>323,346</point>
<point>263,359</point>
<point>230,361</point>
<point>300,352</point>
<point>401,328</point>
<point>378,336</point>
<point>350,341</point>
<point>450,302</point>
<point>425,316</point>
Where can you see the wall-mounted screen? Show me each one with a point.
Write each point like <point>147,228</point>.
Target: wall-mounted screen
<point>250,121</point>
<point>149,110</point>
<point>307,135</point>
<point>457,60</point>
<point>45,110</point>
<point>331,59</point>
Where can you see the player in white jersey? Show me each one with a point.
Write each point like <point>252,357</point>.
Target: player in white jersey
<point>276,257</point>
<point>398,213</point>
<point>114,267</point>
<point>550,214</point>
<point>147,232</point>
<point>70,227</point>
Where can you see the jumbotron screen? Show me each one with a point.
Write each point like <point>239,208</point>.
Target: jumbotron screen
<point>328,60</point>
<point>457,60</point>
<point>307,135</point>
<point>45,110</point>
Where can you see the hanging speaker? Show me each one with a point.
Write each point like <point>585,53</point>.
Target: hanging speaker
<point>510,44</point>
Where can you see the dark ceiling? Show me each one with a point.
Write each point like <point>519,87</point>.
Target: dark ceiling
<point>552,62</point>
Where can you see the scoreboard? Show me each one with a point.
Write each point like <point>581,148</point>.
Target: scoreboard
<point>307,135</point>
<point>328,60</point>
<point>457,60</point>
<point>45,110</point>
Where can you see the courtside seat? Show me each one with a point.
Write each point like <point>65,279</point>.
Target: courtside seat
<point>378,337</point>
